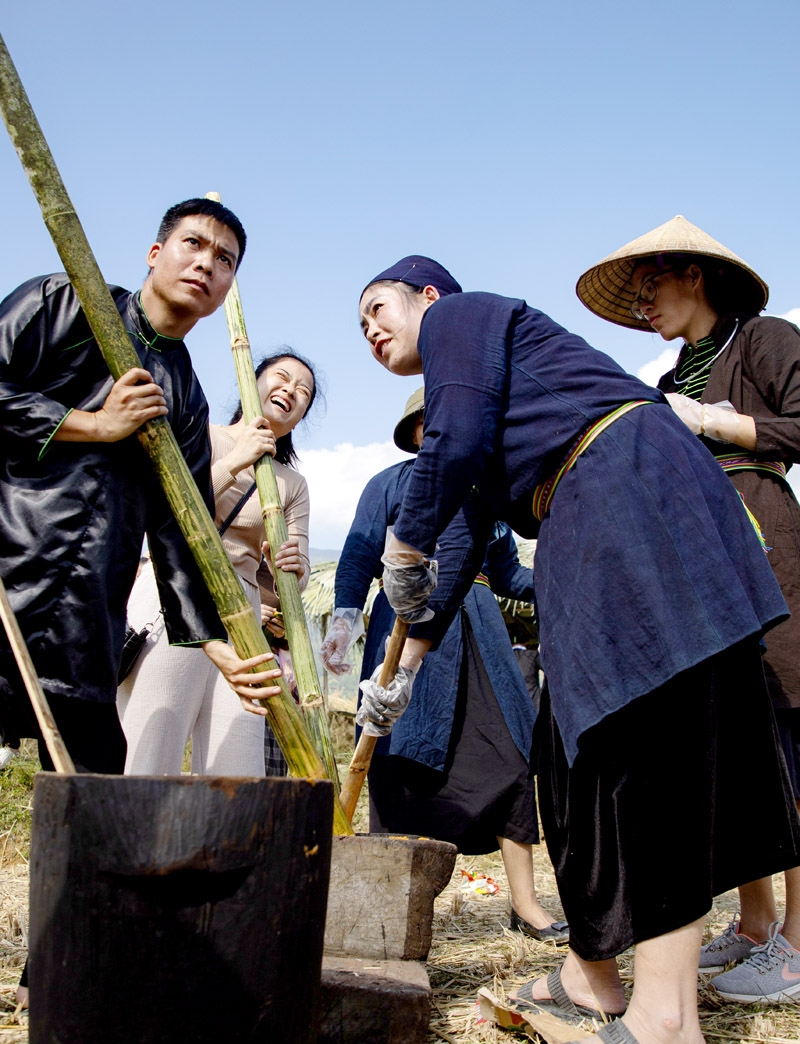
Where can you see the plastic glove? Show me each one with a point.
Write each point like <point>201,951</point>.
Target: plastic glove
<point>345,629</point>
<point>714,422</point>
<point>688,410</point>
<point>380,708</point>
<point>722,423</point>
<point>409,578</point>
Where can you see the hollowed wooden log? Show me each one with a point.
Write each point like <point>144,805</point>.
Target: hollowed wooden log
<point>187,909</point>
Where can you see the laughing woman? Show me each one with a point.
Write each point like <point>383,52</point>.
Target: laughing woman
<point>680,282</point>
<point>652,592</point>
<point>175,693</point>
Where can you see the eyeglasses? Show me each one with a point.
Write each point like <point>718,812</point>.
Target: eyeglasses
<point>648,292</point>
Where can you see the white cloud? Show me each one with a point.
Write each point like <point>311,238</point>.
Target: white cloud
<point>793,315</point>
<point>336,478</point>
<point>651,371</point>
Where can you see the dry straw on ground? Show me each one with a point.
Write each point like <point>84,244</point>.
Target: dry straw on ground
<point>472,947</point>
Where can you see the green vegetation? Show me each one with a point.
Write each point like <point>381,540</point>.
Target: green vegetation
<point>16,802</point>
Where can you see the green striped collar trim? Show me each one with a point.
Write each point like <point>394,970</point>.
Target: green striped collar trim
<point>151,343</point>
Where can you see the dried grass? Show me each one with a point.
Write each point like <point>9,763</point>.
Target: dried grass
<point>472,947</point>
<point>13,948</point>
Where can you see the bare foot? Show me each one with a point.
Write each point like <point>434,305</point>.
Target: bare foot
<point>21,997</point>
<point>596,985</point>
<point>646,1032</point>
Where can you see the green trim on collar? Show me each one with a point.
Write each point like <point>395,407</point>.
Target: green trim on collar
<point>158,336</point>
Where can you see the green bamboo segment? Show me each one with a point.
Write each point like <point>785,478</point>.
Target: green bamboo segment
<point>156,436</point>
<point>305,668</point>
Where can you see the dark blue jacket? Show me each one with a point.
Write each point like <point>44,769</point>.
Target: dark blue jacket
<point>646,562</point>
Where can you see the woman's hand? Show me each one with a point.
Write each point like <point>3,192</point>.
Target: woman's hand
<point>272,619</point>
<point>335,646</point>
<point>288,557</point>
<point>714,422</point>
<point>255,439</point>
<point>409,578</point>
<point>239,674</point>
<point>380,708</point>
<point>688,410</point>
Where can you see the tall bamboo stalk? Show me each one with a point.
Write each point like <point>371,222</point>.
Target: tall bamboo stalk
<point>365,748</point>
<point>156,435</point>
<point>312,701</point>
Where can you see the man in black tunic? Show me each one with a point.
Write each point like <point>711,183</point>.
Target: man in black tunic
<point>78,493</point>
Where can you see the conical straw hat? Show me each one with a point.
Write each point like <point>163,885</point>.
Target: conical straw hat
<point>606,288</point>
<point>404,429</point>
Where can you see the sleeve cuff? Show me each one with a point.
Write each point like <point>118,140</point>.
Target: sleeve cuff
<point>50,437</point>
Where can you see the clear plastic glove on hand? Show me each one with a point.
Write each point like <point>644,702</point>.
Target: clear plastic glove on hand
<point>345,629</point>
<point>701,418</point>
<point>380,708</point>
<point>688,410</point>
<point>409,578</point>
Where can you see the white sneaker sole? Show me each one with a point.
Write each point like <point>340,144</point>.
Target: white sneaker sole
<point>789,994</point>
<point>717,969</point>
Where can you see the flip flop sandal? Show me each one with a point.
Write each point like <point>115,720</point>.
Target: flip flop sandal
<point>616,1032</point>
<point>558,1003</point>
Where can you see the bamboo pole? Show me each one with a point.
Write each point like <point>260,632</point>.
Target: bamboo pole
<point>55,744</point>
<point>156,435</point>
<point>312,701</point>
<point>362,756</point>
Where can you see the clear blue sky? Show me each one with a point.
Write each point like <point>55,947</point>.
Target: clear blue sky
<point>517,142</point>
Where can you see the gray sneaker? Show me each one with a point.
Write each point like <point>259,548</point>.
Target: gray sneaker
<point>770,973</point>
<point>729,948</point>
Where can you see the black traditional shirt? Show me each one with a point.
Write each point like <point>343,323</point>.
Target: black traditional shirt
<point>73,515</point>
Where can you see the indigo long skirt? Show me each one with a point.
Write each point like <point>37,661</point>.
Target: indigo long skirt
<point>673,799</point>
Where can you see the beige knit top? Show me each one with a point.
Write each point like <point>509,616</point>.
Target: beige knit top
<point>242,540</point>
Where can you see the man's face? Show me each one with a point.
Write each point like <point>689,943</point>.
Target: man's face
<point>192,271</point>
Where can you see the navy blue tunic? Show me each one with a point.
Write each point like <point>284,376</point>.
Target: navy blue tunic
<point>646,563</point>
<point>423,732</point>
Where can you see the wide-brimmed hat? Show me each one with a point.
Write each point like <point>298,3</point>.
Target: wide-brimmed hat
<point>404,430</point>
<point>606,288</point>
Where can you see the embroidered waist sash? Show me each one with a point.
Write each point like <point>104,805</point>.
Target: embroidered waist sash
<point>544,492</point>
<point>744,462</point>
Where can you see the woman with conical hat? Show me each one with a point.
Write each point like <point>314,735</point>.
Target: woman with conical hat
<point>652,592</point>
<point>736,385</point>
<point>456,765</point>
